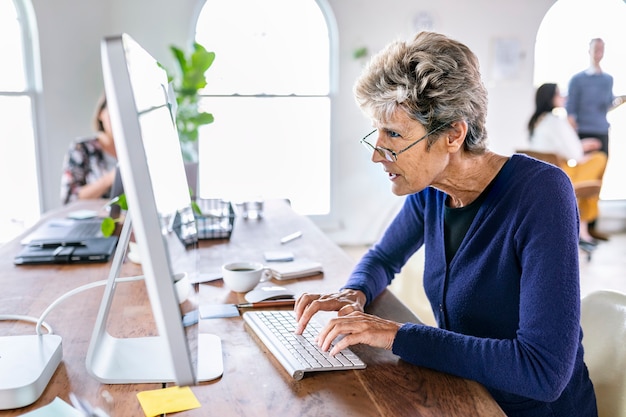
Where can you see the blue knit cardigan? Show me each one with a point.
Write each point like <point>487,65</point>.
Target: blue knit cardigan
<point>508,304</point>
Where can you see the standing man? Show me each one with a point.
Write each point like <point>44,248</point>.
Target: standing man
<point>590,98</point>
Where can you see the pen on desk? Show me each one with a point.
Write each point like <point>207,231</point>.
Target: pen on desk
<point>268,303</point>
<point>291,237</point>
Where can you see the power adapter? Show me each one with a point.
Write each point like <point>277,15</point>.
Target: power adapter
<point>26,365</point>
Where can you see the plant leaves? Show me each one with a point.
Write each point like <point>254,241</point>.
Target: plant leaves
<point>204,118</point>
<point>187,82</point>
<point>196,208</point>
<point>108,226</point>
<point>121,201</point>
<point>180,57</point>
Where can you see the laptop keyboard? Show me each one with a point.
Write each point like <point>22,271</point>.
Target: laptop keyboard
<point>297,353</point>
<point>64,229</point>
<point>85,229</point>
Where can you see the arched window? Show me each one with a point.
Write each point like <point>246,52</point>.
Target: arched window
<point>19,185</point>
<point>562,50</point>
<point>269,89</point>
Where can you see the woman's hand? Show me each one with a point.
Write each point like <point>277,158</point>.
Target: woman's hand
<point>358,327</point>
<point>97,188</point>
<point>344,302</point>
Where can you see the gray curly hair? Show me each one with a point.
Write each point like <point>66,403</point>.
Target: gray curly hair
<point>434,79</point>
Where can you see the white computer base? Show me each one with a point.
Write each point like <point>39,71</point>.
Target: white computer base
<point>26,365</point>
<point>150,359</point>
<point>134,360</point>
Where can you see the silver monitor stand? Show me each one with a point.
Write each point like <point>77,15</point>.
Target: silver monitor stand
<point>150,359</point>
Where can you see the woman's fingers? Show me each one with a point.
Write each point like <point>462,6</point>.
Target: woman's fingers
<point>357,328</point>
<point>343,302</point>
<point>302,302</point>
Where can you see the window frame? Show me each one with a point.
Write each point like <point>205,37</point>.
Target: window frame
<point>332,88</point>
<point>32,92</point>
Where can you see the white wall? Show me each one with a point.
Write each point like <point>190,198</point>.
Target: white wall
<point>70,32</point>
<point>362,203</point>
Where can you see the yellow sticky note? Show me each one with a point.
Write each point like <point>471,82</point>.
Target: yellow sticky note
<point>167,400</point>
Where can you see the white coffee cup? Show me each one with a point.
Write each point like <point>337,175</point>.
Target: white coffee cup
<point>242,276</point>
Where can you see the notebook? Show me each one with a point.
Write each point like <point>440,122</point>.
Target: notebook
<point>298,268</point>
<point>65,240</point>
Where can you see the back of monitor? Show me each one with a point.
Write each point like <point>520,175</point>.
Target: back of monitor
<point>147,147</point>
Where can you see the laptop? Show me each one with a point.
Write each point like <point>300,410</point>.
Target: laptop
<point>78,225</point>
<point>66,240</point>
<point>65,229</point>
<point>88,250</point>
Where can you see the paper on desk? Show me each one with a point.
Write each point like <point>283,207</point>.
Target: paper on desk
<point>82,214</point>
<point>214,311</point>
<point>167,400</point>
<point>298,268</point>
<point>56,408</point>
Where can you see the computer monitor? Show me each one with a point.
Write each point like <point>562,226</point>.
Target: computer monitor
<point>155,185</point>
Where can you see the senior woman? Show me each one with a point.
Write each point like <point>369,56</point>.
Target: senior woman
<point>500,236</point>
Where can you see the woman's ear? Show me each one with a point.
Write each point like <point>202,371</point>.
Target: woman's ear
<point>455,135</point>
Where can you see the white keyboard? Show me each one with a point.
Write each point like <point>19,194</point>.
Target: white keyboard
<point>297,353</point>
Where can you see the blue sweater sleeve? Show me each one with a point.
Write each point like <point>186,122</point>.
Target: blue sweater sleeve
<point>507,305</point>
<point>377,268</point>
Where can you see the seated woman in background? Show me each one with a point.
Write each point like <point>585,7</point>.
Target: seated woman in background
<point>89,166</point>
<point>582,159</point>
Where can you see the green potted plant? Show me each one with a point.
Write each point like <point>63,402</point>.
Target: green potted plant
<point>187,82</point>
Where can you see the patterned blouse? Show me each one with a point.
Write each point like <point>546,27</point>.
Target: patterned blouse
<point>84,163</point>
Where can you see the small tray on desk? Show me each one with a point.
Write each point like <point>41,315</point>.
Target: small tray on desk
<point>217,219</point>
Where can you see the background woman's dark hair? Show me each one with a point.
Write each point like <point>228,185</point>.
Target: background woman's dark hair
<point>544,103</point>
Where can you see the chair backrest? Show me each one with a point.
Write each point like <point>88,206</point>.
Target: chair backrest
<point>548,157</point>
<point>603,319</point>
<point>588,188</point>
<point>583,189</point>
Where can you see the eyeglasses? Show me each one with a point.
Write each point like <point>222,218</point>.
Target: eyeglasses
<point>388,154</point>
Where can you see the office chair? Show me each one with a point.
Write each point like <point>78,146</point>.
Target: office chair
<point>603,320</point>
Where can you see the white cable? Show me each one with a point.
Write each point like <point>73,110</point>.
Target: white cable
<point>39,321</point>
<point>82,288</point>
<point>16,317</point>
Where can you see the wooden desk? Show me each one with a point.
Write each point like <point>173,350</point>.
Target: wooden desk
<point>253,383</point>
